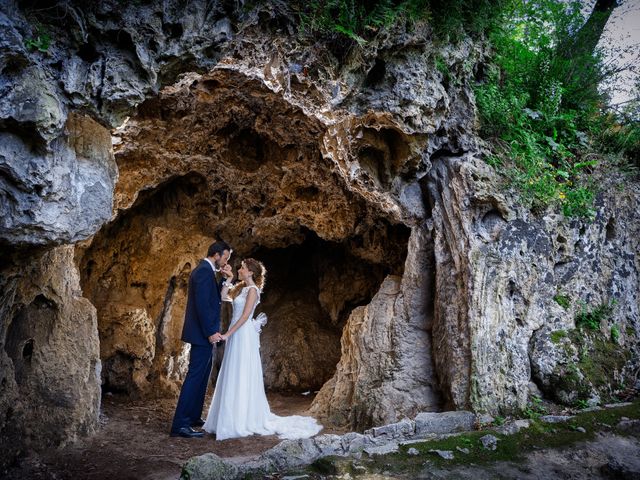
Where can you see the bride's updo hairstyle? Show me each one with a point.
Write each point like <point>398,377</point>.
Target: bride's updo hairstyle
<point>259,276</point>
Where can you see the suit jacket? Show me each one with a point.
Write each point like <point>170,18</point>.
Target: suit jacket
<point>202,316</point>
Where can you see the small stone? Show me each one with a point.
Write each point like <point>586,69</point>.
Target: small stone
<point>444,422</point>
<point>357,468</point>
<point>514,427</point>
<point>555,418</point>
<point>489,442</point>
<point>382,449</point>
<point>208,466</point>
<point>413,452</point>
<point>485,419</point>
<point>534,390</point>
<point>463,450</point>
<point>446,454</point>
<point>591,409</point>
<point>594,401</point>
<point>630,426</point>
<point>403,428</point>
<point>617,405</point>
<point>581,430</point>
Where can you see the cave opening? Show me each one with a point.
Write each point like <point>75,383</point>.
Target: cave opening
<point>226,159</point>
<point>136,271</point>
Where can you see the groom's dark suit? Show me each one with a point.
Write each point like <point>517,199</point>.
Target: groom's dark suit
<point>201,320</point>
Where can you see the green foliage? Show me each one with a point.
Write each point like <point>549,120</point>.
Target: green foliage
<point>356,20</point>
<point>541,106</point>
<point>442,67</point>
<point>581,404</point>
<point>592,319</point>
<point>602,363</point>
<point>615,334</point>
<point>452,19</point>
<point>41,41</point>
<point>535,409</point>
<point>509,448</point>
<point>498,420</point>
<point>360,20</point>
<point>557,336</point>
<point>562,300</point>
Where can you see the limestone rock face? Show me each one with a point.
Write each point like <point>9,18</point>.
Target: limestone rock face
<point>500,272</point>
<point>595,267</point>
<point>64,193</point>
<point>147,130</point>
<point>60,172</point>
<point>213,156</point>
<point>385,370</point>
<point>49,354</point>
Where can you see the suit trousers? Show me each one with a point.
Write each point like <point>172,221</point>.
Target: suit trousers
<point>194,388</point>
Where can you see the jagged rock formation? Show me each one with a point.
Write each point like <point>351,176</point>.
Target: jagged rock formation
<point>402,276</point>
<point>386,351</point>
<point>507,269</point>
<point>50,367</point>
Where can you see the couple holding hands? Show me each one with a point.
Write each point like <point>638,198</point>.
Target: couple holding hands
<point>239,406</point>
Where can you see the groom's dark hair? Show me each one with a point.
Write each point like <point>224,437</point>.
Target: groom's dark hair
<point>217,247</point>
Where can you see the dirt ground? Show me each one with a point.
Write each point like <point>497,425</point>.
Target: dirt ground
<point>133,442</point>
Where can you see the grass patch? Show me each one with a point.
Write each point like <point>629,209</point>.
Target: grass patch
<point>601,361</point>
<point>557,336</point>
<point>510,447</point>
<point>41,41</point>
<point>542,111</point>
<point>562,300</point>
<point>615,334</point>
<point>592,319</point>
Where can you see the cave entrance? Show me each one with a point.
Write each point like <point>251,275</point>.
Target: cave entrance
<point>311,290</point>
<point>225,158</point>
<point>136,273</point>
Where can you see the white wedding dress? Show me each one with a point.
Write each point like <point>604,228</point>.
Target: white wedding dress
<point>239,407</point>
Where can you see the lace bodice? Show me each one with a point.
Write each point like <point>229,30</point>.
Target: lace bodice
<point>239,302</point>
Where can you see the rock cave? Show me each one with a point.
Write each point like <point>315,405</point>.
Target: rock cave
<point>236,162</point>
<point>404,277</point>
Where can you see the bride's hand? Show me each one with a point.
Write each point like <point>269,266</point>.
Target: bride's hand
<point>227,271</point>
<point>224,336</point>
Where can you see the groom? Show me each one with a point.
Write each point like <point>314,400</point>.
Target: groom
<point>202,330</point>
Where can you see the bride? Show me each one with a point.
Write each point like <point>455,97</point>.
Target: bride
<point>239,407</point>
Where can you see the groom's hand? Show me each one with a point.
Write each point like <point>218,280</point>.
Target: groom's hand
<point>215,338</point>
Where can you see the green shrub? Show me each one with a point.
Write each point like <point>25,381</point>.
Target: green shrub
<point>535,409</point>
<point>615,334</point>
<point>581,404</point>
<point>592,319</point>
<point>540,105</point>
<point>562,300</point>
<point>360,20</point>
<point>41,41</point>
<point>356,20</point>
<point>557,335</point>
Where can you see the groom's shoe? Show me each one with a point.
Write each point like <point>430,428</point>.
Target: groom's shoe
<point>198,423</point>
<point>187,432</point>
